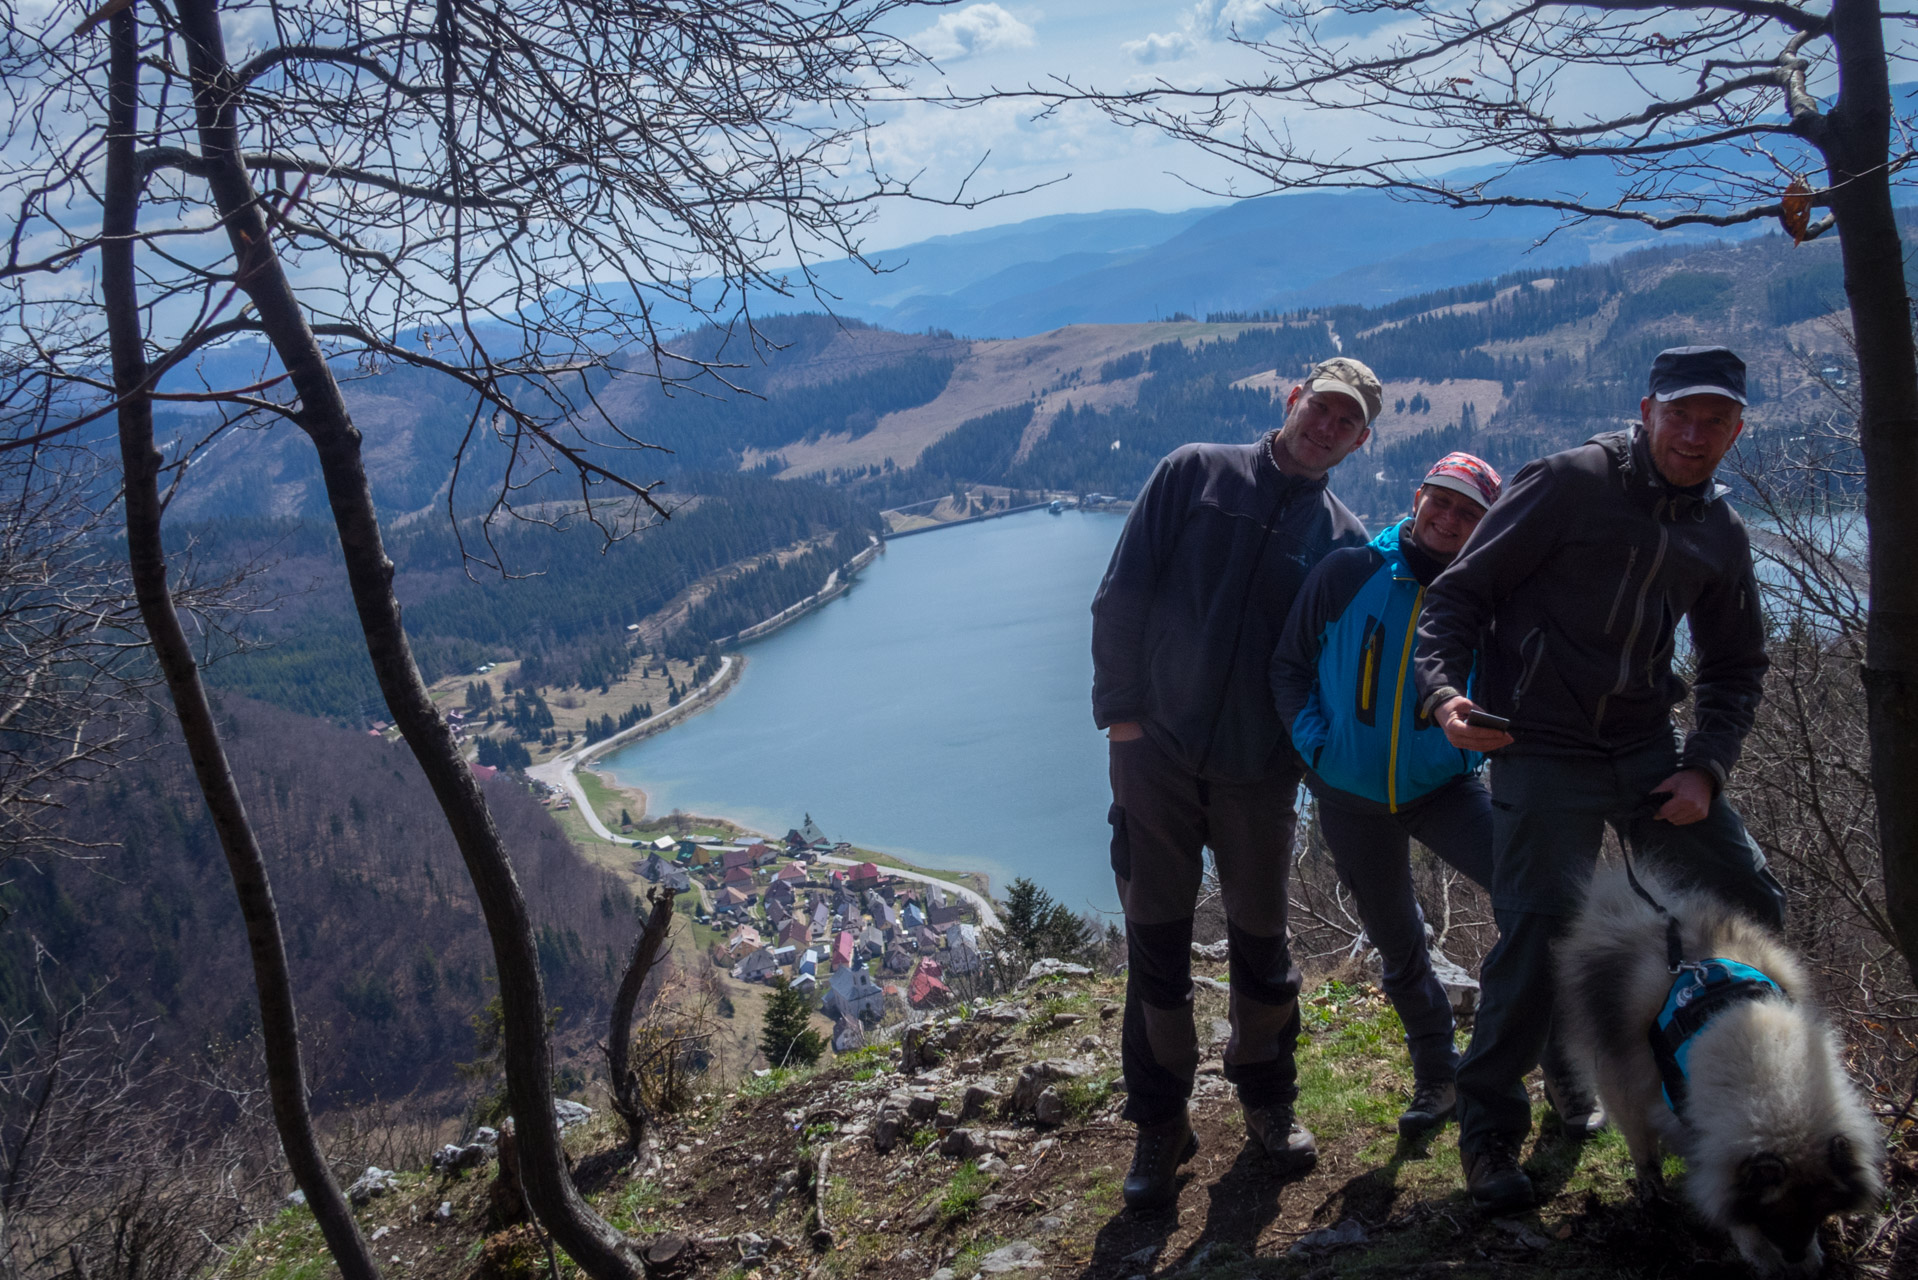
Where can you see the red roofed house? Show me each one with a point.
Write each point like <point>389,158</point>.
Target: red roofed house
<point>484,772</point>
<point>736,858</point>
<point>761,853</point>
<point>842,949</point>
<point>738,876</point>
<point>795,934</point>
<point>925,987</point>
<point>865,874</point>
<point>792,871</point>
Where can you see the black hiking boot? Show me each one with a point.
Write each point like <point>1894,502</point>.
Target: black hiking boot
<point>1288,1144</point>
<point>1497,1184</point>
<point>1156,1157</point>
<point>1433,1102</point>
<point>1580,1113</point>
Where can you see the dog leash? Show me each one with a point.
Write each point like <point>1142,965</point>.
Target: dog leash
<point>1674,948</point>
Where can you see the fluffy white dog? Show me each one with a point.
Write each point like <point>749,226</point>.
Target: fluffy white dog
<point>1773,1134</point>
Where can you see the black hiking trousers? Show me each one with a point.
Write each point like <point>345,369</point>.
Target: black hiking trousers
<point>1163,816</point>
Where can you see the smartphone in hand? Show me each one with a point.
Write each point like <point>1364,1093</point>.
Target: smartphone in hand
<point>1486,720</point>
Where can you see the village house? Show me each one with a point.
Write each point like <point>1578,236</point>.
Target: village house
<point>745,936</point>
<point>852,993</point>
<point>940,917</point>
<point>871,942</point>
<point>848,1034</point>
<point>898,959</point>
<point>864,876</point>
<point>925,938</point>
<point>795,934</point>
<point>911,916</point>
<point>962,958</point>
<point>821,921</point>
<point>926,987</point>
<point>757,967</point>
<point>842,949</point>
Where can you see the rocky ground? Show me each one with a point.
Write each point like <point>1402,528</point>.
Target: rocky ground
<point>1001,1151</point>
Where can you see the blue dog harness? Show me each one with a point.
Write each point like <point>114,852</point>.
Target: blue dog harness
<point>1701,991</point>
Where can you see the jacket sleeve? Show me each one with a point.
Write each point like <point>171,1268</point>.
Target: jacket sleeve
<point>1511,542</point>
<point>1728,637</point>
<point>1321,602</point>
<point>1124,599</point>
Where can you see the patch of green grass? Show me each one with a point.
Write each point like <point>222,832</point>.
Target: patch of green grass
<point>767,1085</point>
<point>634,1201</point>
<point>287,1246</point>
<point>963,1193</point>
<point>966,1261</point>
<point>1086,1095</point>
<point>924,1137</point>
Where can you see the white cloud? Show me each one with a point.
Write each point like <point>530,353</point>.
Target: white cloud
<point>1169,47</point>
<point>977,28</point>
<point>1221,18</point>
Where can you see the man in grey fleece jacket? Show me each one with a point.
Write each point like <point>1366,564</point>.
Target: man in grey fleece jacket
<point>1184,626</point>
<point>1570,592</point>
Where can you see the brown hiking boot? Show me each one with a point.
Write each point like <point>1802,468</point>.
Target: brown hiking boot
<point>1156,1157</point>
<point>1288,1144</point>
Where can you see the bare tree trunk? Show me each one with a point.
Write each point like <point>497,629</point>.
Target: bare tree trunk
<point>627,1103</point>
<point>526,1050</point>
<point>146,555</point>
<point>1856,144</point>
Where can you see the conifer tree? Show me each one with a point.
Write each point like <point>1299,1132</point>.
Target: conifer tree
<point>788,1039</point>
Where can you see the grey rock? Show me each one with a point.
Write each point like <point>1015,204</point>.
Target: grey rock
<point>444,1213</point>
<point>978,1099</point>
<point>1020,1255</point>
<point>1034,1077</point>
<point>988,1203</point>
<point>1003,1014</point>
<point>922,1106</point>
<point>1213,951</point>
<point>296,1197</point>
<point>1348,1231</point>
<point>964,1143</point>
<point>992,1167</point>
<point>374,1182</point>
<point>944,1273</point>
<point>570,1113</point>
<point>886,1130</point>
<point>1047,967</point>
<point>1000,1057</point>
<point>1142,1257</point>
<point>452,1159</point>
<point>1059,1021</point>
<point>1221,1031</point>
<point>1107,1012</point>
<point>1090,1044</point>
<point>1049,1108</point>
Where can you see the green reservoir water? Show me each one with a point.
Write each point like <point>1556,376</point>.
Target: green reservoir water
<point>940,710</point>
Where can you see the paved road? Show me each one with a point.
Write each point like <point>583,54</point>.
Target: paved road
<point>988,918</point>
<point>560,772</point>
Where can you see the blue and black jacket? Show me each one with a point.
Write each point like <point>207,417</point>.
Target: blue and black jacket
<point>1342,681</point>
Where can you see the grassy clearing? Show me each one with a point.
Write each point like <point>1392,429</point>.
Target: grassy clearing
<point>609,801</point>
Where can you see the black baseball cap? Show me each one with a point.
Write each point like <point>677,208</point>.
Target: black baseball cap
<point>1698,371</point>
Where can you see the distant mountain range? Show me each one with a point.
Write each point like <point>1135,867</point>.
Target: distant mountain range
<point>1271,253</point>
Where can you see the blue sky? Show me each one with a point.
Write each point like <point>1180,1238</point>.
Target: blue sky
<point>1093,164</point>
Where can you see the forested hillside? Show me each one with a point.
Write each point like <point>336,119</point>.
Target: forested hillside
<point>1510,368</point>
<point>567,595</point>
<point>390,959</point>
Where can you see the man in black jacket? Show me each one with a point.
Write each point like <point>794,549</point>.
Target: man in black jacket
<point>1570,593</point>
<point>1184,624</point>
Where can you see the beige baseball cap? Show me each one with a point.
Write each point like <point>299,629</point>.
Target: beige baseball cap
<point>1344,376</point>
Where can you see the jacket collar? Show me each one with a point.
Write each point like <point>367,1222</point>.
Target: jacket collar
<point>1631,459</point>
<point>1266,470</point>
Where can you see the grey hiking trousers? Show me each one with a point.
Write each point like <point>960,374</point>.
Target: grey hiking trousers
<point>1163,816</point>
